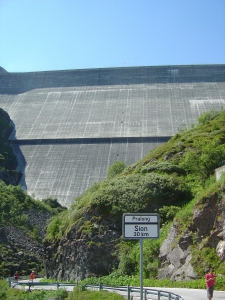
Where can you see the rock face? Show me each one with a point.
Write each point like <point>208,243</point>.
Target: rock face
<point>208,226</point>
<point>175,257</point>
<point>8,161</point>
<point>2,70</point>
<point>21,252</point>
<point>10,176</point>
<point>87,250</point>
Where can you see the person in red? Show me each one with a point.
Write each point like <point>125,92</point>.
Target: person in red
<point>16,276</point>
<point>210,280</point>
<point>32,276</point>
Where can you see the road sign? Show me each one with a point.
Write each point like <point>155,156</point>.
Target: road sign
<point>140,226</point>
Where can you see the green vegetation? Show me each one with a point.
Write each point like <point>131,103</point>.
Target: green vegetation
<point>170,180</point>
<point>14,203</point>
<point>14,207</point>
<point>116,168</point>
<point>7,293</point>
<point>82,294</point>
<point>115,280</point>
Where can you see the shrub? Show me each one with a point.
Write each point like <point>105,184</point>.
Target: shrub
<point>116,168</point>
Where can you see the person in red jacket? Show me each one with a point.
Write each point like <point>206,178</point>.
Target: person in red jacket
<point>32,276</point>
<point>210,280</point>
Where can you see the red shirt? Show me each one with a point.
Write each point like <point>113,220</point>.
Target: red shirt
<point>211,282</point>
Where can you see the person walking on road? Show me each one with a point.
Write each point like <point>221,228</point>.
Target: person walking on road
<point>210,280</point>
<point>32,276</point>
<point>16,276</point>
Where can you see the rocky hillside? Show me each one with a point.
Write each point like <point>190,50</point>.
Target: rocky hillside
<point>22,230</point>
<point>88,249</point>
<point>19,249</point>
<point>22,219</point>
<point>8,161</point>
<point>176,180</point>
<point>187,255</point>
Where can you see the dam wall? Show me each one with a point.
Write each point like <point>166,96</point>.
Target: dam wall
<point>15,83</point>
<point>70,126</point>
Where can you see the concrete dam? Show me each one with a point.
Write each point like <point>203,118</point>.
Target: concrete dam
<point>70,126</point>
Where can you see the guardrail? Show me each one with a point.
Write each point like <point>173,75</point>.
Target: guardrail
<point>13,283</point>
<point>128,290</point>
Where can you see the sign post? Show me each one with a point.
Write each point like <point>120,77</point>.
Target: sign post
<point>141,226</point>
<point>141,269</point>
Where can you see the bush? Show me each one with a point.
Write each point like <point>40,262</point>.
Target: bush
<point>93,295</point>
<point>206,117</point>
<point>116,168</point>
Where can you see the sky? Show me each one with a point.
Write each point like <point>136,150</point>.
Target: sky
<point>44,35</point>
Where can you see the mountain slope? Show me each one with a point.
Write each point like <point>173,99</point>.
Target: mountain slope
<point>86,240</point>
<point>8,160</point>
<point>22,219</point>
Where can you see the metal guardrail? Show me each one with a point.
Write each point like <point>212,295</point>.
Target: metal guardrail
<point>146,291</point>
<point>13,283</point>
<point>128,290</point>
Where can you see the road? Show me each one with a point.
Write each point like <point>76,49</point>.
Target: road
<point>186,294</point>
<point>193,294</point>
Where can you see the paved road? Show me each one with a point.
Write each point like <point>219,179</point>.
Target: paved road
<point>193,294</point>
<point>186,294</point>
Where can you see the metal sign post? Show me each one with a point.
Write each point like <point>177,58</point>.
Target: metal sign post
<point>141,269</point>
<point>141,226</point>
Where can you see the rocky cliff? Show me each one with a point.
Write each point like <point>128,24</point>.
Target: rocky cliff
<point>82,252</point>
<point>178,254</point>
<point>177,180</point>
<point>22,222</point>
<point>88,249</point>
<point>20,251</point>
<point>8,161</point>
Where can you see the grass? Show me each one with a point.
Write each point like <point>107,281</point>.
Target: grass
<point>93,295</point>
<point>7,293</point>
<point>80,293</point>
<point>166,283</point>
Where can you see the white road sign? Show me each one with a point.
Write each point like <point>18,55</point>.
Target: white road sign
<point>140,226</point>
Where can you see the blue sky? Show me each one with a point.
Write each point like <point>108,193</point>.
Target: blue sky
<point>41,35</point>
